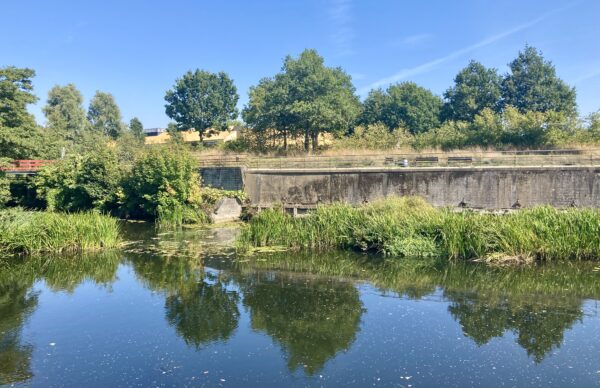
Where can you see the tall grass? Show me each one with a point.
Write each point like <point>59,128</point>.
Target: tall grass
<point>409,227</point>
<point>33,232</point>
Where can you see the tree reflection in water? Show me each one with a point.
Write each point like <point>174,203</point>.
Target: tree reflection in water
<point>538,304</point>
<point>312,320</point>
<point>200,305</point>
<point>539,328</point>
<point>18,301</point>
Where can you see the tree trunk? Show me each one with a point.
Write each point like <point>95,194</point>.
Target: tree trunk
<point>315,141</point>
<point>306,140</point>
<point>285,139</point>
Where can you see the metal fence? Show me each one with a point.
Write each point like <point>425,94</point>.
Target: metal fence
<point>540,158</point>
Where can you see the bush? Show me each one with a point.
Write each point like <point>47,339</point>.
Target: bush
<point>79,183</point>
<point>163,184</point>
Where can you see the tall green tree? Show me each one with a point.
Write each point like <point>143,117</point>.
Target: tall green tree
<point>136,128</point>
<point>105,116</point>
<point>19,134</point>
<point>532,85</point>
<point>305,98</point>
<point>202,101</point>
<point>475,88</point>
<point>65,116</point>
<point>265,110</point>
<point>403,105</point>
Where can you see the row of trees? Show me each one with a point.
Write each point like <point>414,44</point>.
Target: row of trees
<point>302,101</point>
<point>307,98</point>
<point>68,125</point>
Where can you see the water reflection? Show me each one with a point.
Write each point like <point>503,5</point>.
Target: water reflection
<point>17,303</point>
<point>200,305</point>
<point>308,304</point>
<point>539,328</point>
<point>18,300</point>
<point>312,320</point>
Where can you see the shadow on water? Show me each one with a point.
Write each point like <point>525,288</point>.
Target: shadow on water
<point>309,304</point>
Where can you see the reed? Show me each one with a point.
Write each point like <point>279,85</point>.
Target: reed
<point>409,227</point>
<point>24,232</point>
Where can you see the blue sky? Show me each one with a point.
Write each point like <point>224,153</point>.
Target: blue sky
<point>136,49</point>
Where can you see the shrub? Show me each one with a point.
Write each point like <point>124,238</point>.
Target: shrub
<point>163,184</point>
<point>79,183</point>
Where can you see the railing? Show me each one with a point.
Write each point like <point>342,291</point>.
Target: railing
<point>539,158</point>
<point>26,165</point>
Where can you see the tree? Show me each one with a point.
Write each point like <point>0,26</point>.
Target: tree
<point>136,128</point>
<point>475,88</point>
<point>305,98</point>
<point>202,101</point>
<point>266,110</point>
<point>64,112</point>
<point>105,115</point>
<point>403,105</point>
<point>532,85</point>
<point>19,134</point>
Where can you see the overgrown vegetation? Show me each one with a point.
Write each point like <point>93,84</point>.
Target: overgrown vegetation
<point>35,232</point>
<point>409,227</point>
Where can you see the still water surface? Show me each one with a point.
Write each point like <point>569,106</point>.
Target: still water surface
<point>173,310</point>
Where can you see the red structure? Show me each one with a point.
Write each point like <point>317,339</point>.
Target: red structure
<point>26,166</point>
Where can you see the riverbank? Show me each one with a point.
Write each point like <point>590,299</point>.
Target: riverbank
<point>409,227</point>
<point>28,232</point>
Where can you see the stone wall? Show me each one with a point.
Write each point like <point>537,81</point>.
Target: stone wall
<point>477,187</point>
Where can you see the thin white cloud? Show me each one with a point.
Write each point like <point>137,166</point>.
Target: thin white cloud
<point>414,40</point>
<point>587,76</point>
<point>428,66</point>
<point>340,14</point>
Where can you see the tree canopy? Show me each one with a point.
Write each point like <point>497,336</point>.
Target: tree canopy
<point>532,85</point>
<point>202,100</point>
<point>18,130</point>
<point>306,98</point>
<point>65,116</point>
<point>475,88</point>
<point>403,105</point>
<point>104,115</point>
<point>136,127</point>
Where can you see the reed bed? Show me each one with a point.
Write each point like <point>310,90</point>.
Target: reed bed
<point>409,227</point>
<point>24,232</point>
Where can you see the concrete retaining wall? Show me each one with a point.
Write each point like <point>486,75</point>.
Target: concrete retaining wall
<point>485,187</point>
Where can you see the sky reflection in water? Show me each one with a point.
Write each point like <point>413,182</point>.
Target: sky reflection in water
<point>174,316</point>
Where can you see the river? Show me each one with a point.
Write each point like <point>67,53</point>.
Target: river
<point>181,309</point>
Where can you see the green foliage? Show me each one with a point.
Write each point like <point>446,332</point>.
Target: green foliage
<point>136,128</point>
<point>475,89</point>
<point>532,85</point>
<point>65,115</point>
<point>407,226</point>
<point>33,232</point>
<point>403,105</point>
<point>306,98</point>
<point>202,100</point>
<point>105,116</point>
<point>20,137</point>
<point>376,136</point>
<point>163,183</point>
<point>5,195</point>
<point>77,183</point>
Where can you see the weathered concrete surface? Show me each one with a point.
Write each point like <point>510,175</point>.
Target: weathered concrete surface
<point>477,187</point>
<point>226,178</point>
<point>226,209</point>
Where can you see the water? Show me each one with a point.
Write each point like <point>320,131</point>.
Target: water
<point>177,311</point>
